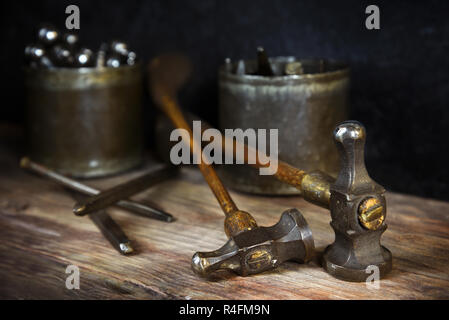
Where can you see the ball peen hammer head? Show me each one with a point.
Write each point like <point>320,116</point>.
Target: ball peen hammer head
<point>358,211</point>
<point>260,248</point>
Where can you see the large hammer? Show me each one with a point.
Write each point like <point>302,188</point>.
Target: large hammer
<point>250,249</point>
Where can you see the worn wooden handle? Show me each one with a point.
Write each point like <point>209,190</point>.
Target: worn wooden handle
<point>173,112</point>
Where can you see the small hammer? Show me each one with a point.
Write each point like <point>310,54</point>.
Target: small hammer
<point>251,249</point>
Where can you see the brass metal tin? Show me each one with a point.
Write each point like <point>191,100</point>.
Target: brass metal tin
<point>304,108</point>
<point>85,122</point>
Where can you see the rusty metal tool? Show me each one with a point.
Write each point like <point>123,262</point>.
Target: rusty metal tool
<point>357,205</point>
<point>358,211</point>
<point>123,191</point>
<point>250,249</point>
<point>131,206</point>
<point>109,228</point>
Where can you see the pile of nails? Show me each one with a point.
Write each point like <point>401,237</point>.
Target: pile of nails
<point>56,50</point>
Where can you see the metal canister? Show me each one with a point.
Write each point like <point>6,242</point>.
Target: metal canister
<point>304,107</point>
<point>85,122</point>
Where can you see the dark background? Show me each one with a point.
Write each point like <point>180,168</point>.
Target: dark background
<point>400,81</point>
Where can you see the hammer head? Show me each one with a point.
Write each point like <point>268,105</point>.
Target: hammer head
<point>261,248</point>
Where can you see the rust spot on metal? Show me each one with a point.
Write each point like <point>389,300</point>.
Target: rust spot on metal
<point>371,213</point>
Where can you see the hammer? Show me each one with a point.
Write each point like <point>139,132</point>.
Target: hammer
<point>357,206</point>
<point>356,203</point>
<point>250,249</point>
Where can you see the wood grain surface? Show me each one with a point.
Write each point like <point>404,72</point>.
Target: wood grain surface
<point>40,237</point>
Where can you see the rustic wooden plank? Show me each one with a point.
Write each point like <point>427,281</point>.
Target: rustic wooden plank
<point>40,237</point>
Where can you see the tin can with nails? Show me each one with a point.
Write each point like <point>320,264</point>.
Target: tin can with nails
<point>304,100</point>
<point>85,122</point>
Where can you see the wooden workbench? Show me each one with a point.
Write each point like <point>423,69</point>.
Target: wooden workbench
<point>40,237</point>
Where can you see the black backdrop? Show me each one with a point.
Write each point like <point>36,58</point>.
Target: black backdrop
<point>400,73</point>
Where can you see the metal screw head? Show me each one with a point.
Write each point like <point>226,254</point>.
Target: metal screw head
<point>48,35</point>
<point>70,39</point>
<point>61,51</point>
<point>371,213</point>
<point>294,68</point>
<point>62,55</point>
<point>84,58</point>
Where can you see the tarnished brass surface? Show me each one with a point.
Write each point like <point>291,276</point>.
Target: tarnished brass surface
<point>315,188</point>
<point>305,108</point>
<point>81,78</point>
<point>238,221</point>
<point>85,122</point>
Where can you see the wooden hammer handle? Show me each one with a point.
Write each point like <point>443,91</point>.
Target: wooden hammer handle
<point>314,186</point>
<point>170,106</point>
